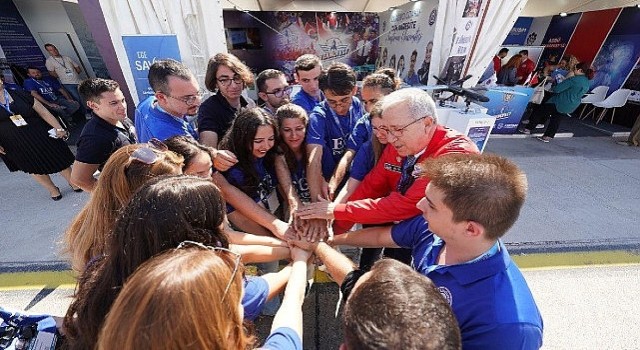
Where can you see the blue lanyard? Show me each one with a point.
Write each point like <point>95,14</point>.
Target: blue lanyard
<point>336,119</point>
<point>7,104</point>
<point>63,64</point>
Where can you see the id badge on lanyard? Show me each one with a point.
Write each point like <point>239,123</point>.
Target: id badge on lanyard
<point>15,118</point>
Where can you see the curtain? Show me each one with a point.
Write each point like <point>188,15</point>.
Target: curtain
<point>499,18</point>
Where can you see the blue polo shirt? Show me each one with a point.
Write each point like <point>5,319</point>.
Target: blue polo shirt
<point>260,193</point>
<point>151,121</point>
<point>363,162</point>
<point>489,297</point>
<point>361,133</point>
<point>306,101</point>
<point>331,131</point>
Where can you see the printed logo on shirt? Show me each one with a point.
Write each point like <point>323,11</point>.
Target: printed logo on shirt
<point>265,188</point>
<point>337,146</point>
<point>302,188</point>
<point>394,168</point>
<point>446,294</point>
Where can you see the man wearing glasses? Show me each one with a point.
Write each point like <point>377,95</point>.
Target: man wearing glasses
<point>330,125</point>
<point>273,89</point>
<point>177,97</point>
<point>389,193</point>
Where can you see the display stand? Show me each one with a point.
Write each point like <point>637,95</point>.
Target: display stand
<point>475,125</point>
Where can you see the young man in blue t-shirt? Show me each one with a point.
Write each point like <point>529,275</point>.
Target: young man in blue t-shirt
<point>307,70</point>
<point>470,202</point>
<point>330,125</point>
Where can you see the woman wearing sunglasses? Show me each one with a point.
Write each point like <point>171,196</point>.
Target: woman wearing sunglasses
<point>162,214</point>
<point>160,308</point>
<point>126,170</point>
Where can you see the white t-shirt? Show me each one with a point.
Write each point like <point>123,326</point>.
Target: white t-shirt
<point>64,68</point>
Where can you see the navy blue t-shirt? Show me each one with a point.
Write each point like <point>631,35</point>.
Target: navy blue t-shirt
<point>299,181</point>
<point>261,193</point>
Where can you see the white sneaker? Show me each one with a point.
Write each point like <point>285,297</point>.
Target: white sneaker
<point>540,126</point>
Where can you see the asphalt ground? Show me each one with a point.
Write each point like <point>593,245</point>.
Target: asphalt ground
<point>577,240</point>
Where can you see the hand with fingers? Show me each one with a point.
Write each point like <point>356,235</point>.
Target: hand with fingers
<point>323,209</point>
<point>224,160</point>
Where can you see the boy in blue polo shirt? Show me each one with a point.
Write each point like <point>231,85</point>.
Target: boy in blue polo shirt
<point>470,202</point>
<point>330,125</point>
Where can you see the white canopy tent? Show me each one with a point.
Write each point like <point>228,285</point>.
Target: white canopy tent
<point>533,8</point>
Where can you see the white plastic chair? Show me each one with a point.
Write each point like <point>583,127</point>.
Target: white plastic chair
<point>598,94</point>
<point>617,99</point>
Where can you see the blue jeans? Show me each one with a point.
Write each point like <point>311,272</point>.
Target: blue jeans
<point>73,91</point>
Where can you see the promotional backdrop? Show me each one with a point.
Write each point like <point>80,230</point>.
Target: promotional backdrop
<point>620,51</point>
<point>142,51</point>
<point>406,43</point>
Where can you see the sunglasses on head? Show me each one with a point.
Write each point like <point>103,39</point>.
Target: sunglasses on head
<point>187,244</point>
<point>150,152</point>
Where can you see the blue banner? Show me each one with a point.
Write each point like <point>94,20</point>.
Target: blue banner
<point>620,51</point>
<point>557,37</point>
<point>507,104</point>
<point>518,33</point>
<point>19,46</point>
<point>142,51</point>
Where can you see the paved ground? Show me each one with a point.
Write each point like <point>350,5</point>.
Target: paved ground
<point>593,307</point>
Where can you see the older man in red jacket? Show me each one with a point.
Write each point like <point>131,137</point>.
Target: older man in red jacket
<point>389,193</point>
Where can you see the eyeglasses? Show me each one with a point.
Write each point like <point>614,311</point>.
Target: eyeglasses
<point>147,154</point>
<point>189,100</point>
<point>186,244</point>
<point>227,81</point>
<point>399,131</point>
<point>341,102</point>
<point>280,92</point>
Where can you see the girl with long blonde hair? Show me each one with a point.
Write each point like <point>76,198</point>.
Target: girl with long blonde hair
<point>121,176</point>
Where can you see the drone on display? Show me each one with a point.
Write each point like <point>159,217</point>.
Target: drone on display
<point>468,94</point>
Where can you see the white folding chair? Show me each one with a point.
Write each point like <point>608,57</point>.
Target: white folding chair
<point>617,99</point>
<point>598,94</point>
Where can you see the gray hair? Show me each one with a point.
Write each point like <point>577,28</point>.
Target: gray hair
<point>418,101</point>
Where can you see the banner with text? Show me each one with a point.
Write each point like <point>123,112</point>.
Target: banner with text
<point>557,37</point>
<point>142,51</point>
<point>406,43</point>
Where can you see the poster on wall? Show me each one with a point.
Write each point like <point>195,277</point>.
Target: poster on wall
<point>464,34</point>
<point>20,48</point>
<point>557,37</point>
<point>519,31</point>
<point>590,33</point>
<point>351,38</point>
<point>406,43</point>
<point>142,51</point>
<point>620,51</point>
<point>537,31</point>
<point>534,52</point>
